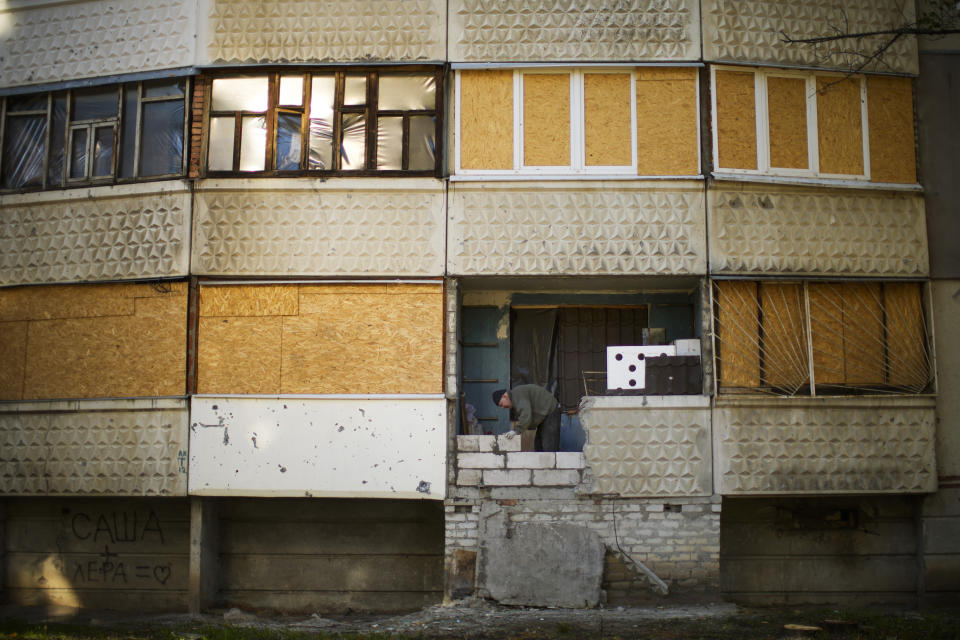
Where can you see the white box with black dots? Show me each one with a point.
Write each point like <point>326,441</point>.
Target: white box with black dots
<point>626,368</point>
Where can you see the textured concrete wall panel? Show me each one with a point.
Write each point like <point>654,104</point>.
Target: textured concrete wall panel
<point>304,227</point>
<point>764,230</point>
<point>652,450</point>
<point>102,233</point>
<point>45,41</point>
<point>549,30</point>
<point>94,448</point>
<point>324,30</point>
<point>586,228</point>
<point>820,446</point>
<point>750,31</point>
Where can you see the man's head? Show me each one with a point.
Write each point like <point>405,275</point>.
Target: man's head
<point>501,398</point>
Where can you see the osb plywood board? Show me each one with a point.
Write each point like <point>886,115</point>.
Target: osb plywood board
<point>738,333</point>
<point>53,302</point>
<point>906,345</point>
<point>890,114</point>
<point>140,354</point>
<point>787,108</point>
<point>248,300</point>
<point>863,333</point>
<point>736,120</point>
<point>785,361</point>
<point>667,122</point>
<point>839,125</point>
<point>826,327</point>
<point>239,354</point>
<point>486,119</point>
<point>546,119</point>
<point>364,343</point>
<point>377,338</point>
<point>606,105</point>
<point>13,353</point>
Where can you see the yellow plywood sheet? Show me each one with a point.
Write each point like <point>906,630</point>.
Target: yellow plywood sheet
<point>51,302</point>
<point>248,300</point>
<point>839,125</point>
<point>738,333</point>
<point>365,343</point>
<point>906,342</point>
<point>736,120</point>
<point>787,108</point>
<point>546,119</point>
<point>826,325</point>
<point>606,109</point>
<point>667,122</point>
<point>863,338</point>
<point>13,353</point>
<point>890,117</point>
<point>239,354</point>
<point>785,357</point>
<point>142,354</point>
<point>486,119</point>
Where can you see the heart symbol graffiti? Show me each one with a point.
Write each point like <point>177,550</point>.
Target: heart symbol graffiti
<point>162,573</point>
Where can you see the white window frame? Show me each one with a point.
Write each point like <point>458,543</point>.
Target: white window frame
<point>577,165</point>
<point>762,119</point>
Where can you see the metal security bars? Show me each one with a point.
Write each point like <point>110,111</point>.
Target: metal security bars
<point>797,338</point>
<point>106,134</point>
<point>354,121</point>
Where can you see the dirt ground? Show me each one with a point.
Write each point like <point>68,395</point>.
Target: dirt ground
<point>481,620</point>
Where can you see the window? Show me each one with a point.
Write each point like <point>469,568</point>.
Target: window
<point>793,338</point>
<point>106,134</point>
<point>339,121</point>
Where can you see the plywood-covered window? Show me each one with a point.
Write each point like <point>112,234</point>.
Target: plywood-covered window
<point>93,341</point>
<point>806,124</point>
<point>550,121</point>
<point>320,338</point>
<point>352,121</point>
<point>821,337</point>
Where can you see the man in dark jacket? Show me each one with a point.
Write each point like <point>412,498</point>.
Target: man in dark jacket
<point>535,408</point>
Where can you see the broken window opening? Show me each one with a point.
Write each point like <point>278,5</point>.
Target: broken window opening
<point>356,122</point>
<point>788,338</point>
<point>107,134</point>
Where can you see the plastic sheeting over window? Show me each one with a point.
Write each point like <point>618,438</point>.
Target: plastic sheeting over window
<point>113,133</point>
<point>332,121</point>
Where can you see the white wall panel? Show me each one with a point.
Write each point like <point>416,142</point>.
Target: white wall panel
<point>47,41</point>
<point>100,233</point>
<point>334,446</point>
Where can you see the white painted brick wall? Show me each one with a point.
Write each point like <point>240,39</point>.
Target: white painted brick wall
<point>555,477</point>
<point>506,478</point>
<point>532,460</point>
<point>480,461</point>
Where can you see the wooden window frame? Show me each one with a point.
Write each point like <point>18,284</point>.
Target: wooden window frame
<point>370,110</point>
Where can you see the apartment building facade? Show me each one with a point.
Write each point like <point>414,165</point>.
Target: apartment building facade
<point>265,262</point>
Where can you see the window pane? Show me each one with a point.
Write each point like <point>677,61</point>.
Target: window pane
<point>33,102</point>
<point>58,140</point>
<point>355,90</point>
<point>220,154</point>
<point>423,150</point>
<point>321,98</point>
<point>23,151</point>
<point>291,91</point>
<point>353,147</point>
<point>161,146</point>
<point>321,145</point>
<point>288,141</point>
<point>407,91</point>
<point>390,143</point>
<point>164,88</point>
<point>103,152</point>
<point>78,153</point>
<point>253,143</point>
<point>128,137</point>
<point>94,104</point>
<point>240,94</point>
